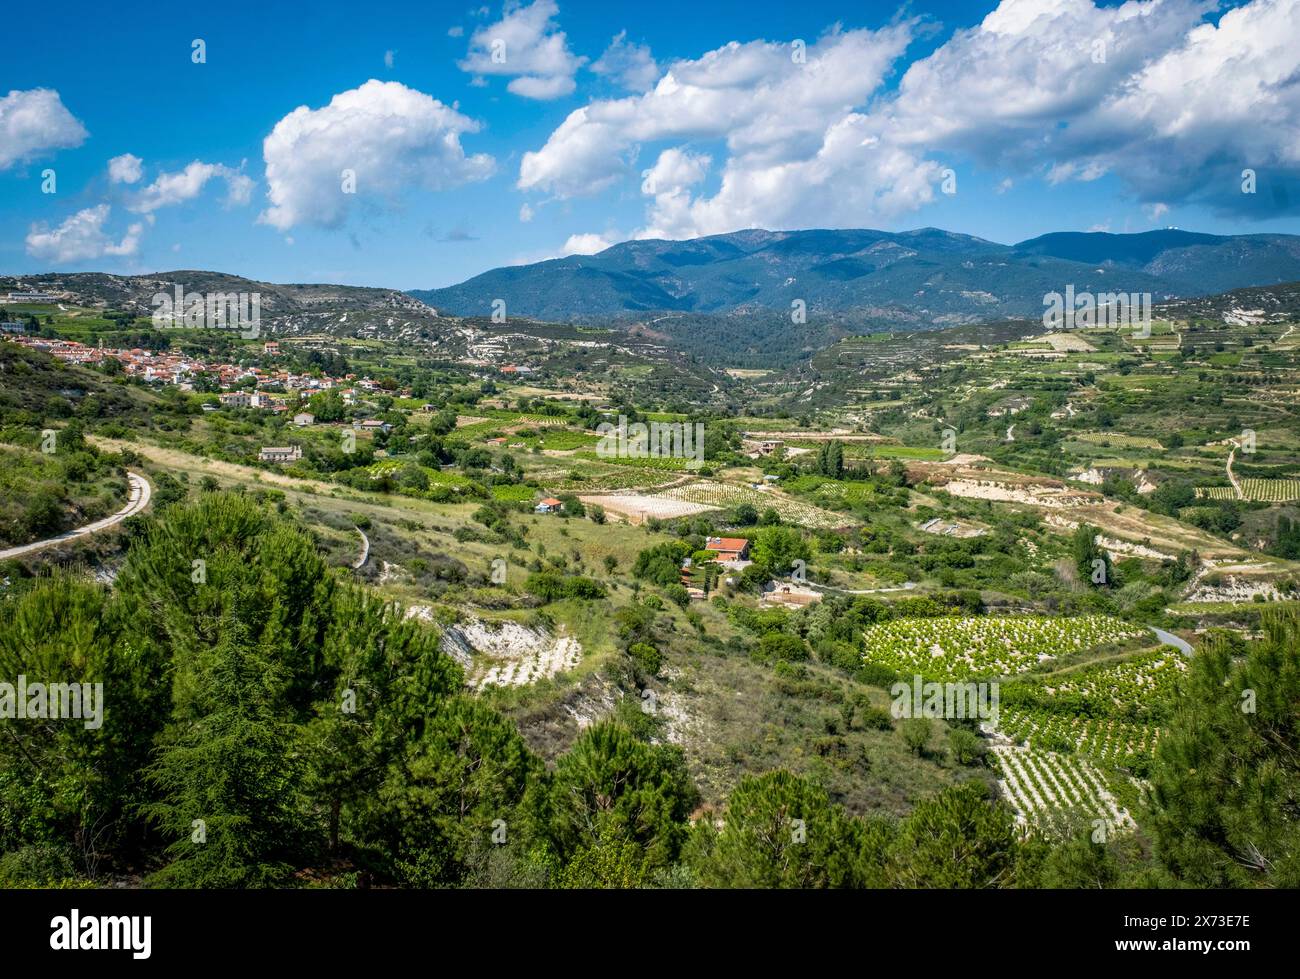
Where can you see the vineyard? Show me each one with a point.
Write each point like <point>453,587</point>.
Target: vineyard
<point>1039,784</point>
<point>1256,490</point>
<point>959,648</point>
<point>664,463</point>
<point>729,495</point>
<point>470,427</point>
<point>1132,688</point>
<point>608,480</point>
<point>474,430</point>
<point>834,493</point>
<point>1107,739</point>
<point>538,421</point>
<point>1109,712</point>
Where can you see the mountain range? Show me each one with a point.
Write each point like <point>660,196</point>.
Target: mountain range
<point>733,292</point>
<point>878,278</point>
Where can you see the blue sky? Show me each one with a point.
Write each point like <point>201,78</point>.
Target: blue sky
<point>1037,115</point>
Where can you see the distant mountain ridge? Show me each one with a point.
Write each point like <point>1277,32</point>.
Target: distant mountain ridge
<point>910,278</point>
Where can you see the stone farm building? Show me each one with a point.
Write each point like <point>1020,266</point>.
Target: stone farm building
<point>280,453</point>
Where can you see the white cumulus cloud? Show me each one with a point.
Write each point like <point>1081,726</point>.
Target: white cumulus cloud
<point>125,169</point>
<point>526,45</point>
<point>81,237</point>
<point>631,65</point>
<point>1147,91</point>
<point>391,137</point>
<point>588,244</point>
<point>33,123</point>
<point>1153,94</point>
<point>185,185</point>
<point>796,150</point>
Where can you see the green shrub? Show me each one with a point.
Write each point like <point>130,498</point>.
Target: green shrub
<point>646,657</point>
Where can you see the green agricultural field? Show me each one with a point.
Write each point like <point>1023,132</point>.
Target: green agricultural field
<point>513,493</point>
<point>557,439</point>
<point>602,479</point>
<point>1119,440</point>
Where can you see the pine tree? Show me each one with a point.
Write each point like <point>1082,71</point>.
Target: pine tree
<point>959,838</point>
<point>230,779</point>
<point>469,784</point>
<point>780,830</point>
<point>1226,781</point>
<point>610,786</point>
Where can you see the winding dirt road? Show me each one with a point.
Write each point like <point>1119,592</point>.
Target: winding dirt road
<point>141,492</point>
<point>364,556</point>
<point>1232,478</point>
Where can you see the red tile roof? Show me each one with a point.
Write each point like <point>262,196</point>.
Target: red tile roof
<point>726,544</point>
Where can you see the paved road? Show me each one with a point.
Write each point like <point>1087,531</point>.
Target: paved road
<point>1169,639</point>
<point>906,586</point>
<point>141,492</point>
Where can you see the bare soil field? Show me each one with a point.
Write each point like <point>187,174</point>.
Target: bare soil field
<point>636,508</point>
